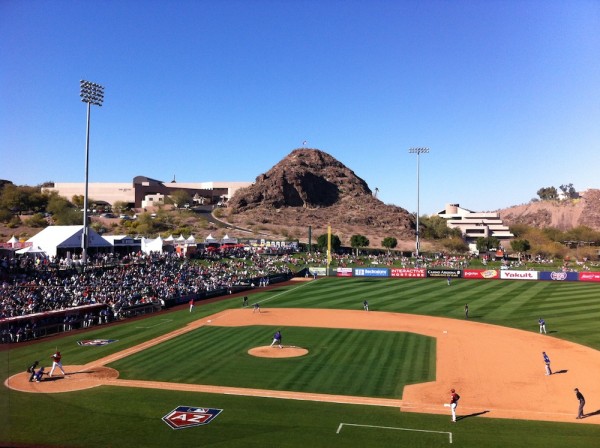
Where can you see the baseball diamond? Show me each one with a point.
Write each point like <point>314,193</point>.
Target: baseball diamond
<point>463,360</point>
<point>216,358</point>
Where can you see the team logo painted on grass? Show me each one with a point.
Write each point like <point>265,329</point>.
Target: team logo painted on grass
<point>89,342</point>
<point>188,416</point>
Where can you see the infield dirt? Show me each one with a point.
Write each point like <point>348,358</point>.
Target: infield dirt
<point>498,371</point>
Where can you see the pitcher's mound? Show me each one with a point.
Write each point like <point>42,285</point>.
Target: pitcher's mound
<point>276,352</point>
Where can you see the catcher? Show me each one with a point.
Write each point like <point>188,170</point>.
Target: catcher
<point>31,370</point>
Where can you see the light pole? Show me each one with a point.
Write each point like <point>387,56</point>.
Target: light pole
<point>418,152</point>
<point>91,93</point>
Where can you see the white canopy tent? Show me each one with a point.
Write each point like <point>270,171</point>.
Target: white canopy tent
<point>152,245</point>
<point>210,239</point>
<point>55,238</point>
<point>227,240</point>
<point>32,250</point>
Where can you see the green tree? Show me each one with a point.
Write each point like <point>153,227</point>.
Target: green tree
<point>547,193</point>
<point>180,198</point>
<point>435,227</point>
<point>36,220</point>
<point>455,245</point>
<point>487,244</point>
<point>57,204</point>
<point>68,217</point>
<point>336,243</point>
<point>569,191</point>
<point>520,246</point>
<point>120,206</point>
<point>14,198</point>
<point>359,241</point>
<point>389,242</point>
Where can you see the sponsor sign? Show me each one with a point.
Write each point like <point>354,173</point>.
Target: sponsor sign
<point>560,276</point>
<point>519,275</point>
<point>92,342</point>
<point>589,276</point>
<point>408,272</point>
<point>371,272</point>
<point>480,273</point>
<point>189,416</point>
<point>318,271</point>
<point>444,273</point>
<point>344,272</point>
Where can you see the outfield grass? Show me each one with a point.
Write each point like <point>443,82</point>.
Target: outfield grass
<point>119,417</point>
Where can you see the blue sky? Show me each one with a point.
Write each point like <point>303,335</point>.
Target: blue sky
<point>506,94</point>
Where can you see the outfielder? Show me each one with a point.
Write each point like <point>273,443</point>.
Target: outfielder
<point>56,357</point>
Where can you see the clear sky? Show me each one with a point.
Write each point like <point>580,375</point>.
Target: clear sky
<point>506,94</point>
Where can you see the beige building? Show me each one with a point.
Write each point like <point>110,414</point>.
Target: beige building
<point>144,190</point>
<point>474,225</point>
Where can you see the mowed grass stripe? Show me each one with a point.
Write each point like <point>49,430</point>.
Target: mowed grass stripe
<point>342,362</point>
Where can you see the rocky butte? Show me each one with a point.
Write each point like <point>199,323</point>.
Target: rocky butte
<point>311,188</point>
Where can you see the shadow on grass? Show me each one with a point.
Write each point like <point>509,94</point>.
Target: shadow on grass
<point>462,417</point>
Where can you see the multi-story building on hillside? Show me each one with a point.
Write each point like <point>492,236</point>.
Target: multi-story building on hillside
<point>145,191</point>
<point>474,225</point>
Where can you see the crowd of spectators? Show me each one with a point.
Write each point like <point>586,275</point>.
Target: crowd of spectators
<point>30,287</point>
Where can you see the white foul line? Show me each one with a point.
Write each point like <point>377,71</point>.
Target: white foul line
<point>398,429</point>
<point>157,324</point>
<point>285,292</point>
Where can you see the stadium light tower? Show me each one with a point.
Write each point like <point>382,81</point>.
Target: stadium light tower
<point>418,152</point>
<point>91,93</point>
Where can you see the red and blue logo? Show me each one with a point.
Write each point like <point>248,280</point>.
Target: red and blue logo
<point>188,416</point>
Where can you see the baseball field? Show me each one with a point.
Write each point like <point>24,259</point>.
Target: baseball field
<point>344,377</point>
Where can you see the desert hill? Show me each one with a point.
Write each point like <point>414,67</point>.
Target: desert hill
<point>563,215</point>
<point>311,188</point>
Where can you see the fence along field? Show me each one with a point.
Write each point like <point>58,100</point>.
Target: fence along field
<point>259,421</point>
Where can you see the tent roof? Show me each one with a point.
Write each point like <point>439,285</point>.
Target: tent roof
<point>53,237</point>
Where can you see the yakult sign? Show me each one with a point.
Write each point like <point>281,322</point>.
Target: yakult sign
<point>519,275</point>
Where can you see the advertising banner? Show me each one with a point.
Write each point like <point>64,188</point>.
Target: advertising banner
<point>408,272</point>
<point>319,271</point>
<point>481,273</point>
<point>589,276</point>
<point>560,276</point>
<point>371,272</point>
<point>519,275</point>
<point>454,273</point>
<point>344,272</point>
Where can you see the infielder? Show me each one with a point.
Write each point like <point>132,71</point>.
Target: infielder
<point>581,399</point>
<point>56,357</point>
<point>542,323</point>
<point>547,361</point>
